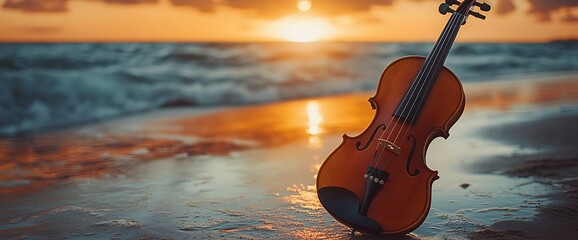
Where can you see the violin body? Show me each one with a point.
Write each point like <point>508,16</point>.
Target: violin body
<point>378,182</point>
<point>402,203</point>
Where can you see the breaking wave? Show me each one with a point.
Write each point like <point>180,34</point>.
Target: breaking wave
<point>45,85</point>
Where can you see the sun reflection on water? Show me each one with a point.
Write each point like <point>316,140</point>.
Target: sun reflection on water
<point>315,118</point>
<point>314,124</point>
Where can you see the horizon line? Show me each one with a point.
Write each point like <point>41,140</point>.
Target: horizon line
<point>4,41</point>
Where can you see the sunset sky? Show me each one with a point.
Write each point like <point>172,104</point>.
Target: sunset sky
<point>278,20</point>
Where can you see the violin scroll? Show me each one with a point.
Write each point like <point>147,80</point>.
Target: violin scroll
<point>465,8</point>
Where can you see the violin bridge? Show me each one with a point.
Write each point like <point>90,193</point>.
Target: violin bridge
<point>389,146</point>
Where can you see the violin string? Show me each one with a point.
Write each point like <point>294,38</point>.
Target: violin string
<point>439,61</point>
<point>420,79</point>
<point>436,54</point>
<point>436,62</point>
<point>445,36</point>
<point>451,32</point>
<point>406,96</point>
<point>383,148</point>
<point>460,18</point>
<point>377,147</point>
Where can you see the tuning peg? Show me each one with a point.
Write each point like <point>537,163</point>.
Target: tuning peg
<point>483,6</point>
<point>478,15</point>
<point>445,8</point>
<point>452,2</point>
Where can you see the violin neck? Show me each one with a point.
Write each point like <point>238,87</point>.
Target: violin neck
<point>441,49</point>
<point>414,99</point>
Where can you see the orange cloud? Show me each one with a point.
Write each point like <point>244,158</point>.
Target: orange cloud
<point>131,1</point>
<point>505,7</point>
<point>201,5</point>
<point>569,17</point>
<point>39,30</point>
<point>323,7</point>
<point>36,5</point>
<point>58,5</point>
<point>544,8</point>
<point>263,8</point>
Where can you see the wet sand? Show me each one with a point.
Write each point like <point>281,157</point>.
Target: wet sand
<point>509,170</point>
<point>555,165</point>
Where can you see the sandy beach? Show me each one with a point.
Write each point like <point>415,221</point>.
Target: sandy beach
<point>509,170</point>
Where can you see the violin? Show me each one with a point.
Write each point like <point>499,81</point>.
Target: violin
<point>378,182</point>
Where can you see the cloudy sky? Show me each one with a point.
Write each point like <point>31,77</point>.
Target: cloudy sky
<point>277,20</point>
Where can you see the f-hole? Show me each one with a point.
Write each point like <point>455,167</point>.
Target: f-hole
<point>410,157</point>
<point>358,144</point>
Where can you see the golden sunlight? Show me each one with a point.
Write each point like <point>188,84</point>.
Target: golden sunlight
<point>304,5</point>
<point>315,118</point>
<point>302,29</point>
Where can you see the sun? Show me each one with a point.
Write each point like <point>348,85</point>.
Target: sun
<point>304,5</point>
<point>302,29</point>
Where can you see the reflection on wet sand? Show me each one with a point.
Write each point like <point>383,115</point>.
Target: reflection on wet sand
<point>28,164</point>
<point>315,120</point>
<point>274,151</point>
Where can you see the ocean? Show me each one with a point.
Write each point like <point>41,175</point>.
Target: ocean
<point>51,85</point>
